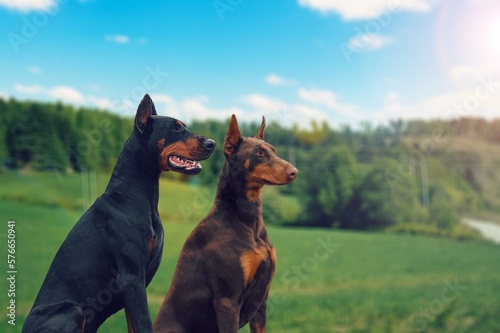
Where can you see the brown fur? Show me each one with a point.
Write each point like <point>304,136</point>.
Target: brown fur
<point>226,266</point>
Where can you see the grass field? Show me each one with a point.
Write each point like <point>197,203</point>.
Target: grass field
<point>327,281</point>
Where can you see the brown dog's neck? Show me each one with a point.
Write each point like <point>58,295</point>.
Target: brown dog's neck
<point>233,195</point>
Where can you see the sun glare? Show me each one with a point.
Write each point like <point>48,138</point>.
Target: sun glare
<point>492,37</point>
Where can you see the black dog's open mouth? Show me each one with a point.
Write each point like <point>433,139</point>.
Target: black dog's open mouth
<point>181,163</point>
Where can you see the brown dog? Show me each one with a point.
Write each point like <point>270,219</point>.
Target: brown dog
<point>226,266</point>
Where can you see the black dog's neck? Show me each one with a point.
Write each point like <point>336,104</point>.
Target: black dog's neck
<point>135,164</point>
<point>232,194</point>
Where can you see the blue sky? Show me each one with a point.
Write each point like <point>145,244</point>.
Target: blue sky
<point>341,61</point>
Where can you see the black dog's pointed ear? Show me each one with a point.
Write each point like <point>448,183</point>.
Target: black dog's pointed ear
<point>260,132</point>
<point>233,137</point>
<point>145,110</point>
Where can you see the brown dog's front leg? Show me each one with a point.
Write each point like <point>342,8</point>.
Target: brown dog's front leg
<point>258,320</point>
<point>227,311</point>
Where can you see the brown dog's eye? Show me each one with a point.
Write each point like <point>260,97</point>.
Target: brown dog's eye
<point>259,152</point>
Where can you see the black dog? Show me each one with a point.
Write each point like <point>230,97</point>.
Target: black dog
<point>114,250</point>
<point>226,266</point>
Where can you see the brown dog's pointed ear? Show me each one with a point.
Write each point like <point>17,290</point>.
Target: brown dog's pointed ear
<point>233,137</point>
<point>144,112</point>
<point>260,132</point>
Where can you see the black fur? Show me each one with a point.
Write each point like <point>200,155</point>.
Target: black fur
<point>114,250</point>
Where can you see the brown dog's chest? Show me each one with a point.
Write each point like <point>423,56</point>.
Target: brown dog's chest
<point>259,258</point>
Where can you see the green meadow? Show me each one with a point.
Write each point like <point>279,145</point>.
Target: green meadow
<point>326,281</point>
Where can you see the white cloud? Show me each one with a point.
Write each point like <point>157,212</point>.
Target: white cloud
<point>277,80</point>
<point>337,112</point>
<point>263,102</point>
<point>479,100</point>
<point>66,94</point>
<point>120,39</point>
<point>366,9</point>
<point>369,42</point>
<point>273,109</point>
<point>28,90</point>
<point>100,102</point>
<point>29,5</point>
<point>326,105</point>
<point>438,106</point>
<point>192,108</point>
<point>302,115</point>
<point>318,96</point>
<point>164,99</point>
<point>469,75</point>
<point>319,105</point>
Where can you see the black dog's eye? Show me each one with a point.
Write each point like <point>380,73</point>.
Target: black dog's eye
<point>259,152</point>
<point>176,128</point>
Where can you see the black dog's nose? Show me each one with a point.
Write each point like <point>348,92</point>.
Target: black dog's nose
<point>209,144</point>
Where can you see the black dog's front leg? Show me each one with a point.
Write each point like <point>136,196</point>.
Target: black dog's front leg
<point>136,305</point>
<point>132,281</point>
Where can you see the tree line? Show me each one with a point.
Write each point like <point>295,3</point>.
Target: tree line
<point>402,175</point>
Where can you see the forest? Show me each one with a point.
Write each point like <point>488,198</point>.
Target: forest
<point>409,176</point>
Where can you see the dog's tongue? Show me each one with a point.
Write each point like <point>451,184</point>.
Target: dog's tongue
<point>182,162</point>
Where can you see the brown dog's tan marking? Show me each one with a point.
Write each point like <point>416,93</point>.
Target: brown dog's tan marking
<point>272,252</point>
<point>250,261</point>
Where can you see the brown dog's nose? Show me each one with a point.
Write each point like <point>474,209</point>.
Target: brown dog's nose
<point>292,172</point>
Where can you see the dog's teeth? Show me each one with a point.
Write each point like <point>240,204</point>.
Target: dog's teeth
<point>182,162</point>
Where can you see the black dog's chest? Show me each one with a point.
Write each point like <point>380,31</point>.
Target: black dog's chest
<point>154,244</point>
